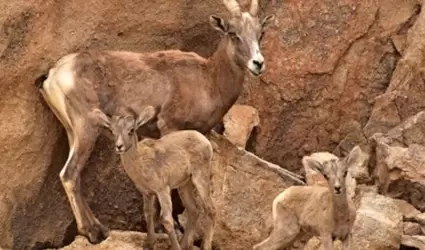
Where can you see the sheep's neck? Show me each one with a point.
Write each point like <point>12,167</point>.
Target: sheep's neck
<point>227,75</point>
<point>341,209</point>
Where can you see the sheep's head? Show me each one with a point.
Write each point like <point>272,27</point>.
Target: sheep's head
<point>123,125</point>
<point>243,32</point>
<point>334,169</point>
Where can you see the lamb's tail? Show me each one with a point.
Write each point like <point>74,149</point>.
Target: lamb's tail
<point>40,80</point>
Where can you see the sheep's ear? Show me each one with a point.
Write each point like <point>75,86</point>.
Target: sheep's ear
<point>311,163</point>
<point>101,118</point>
<point>353,157</point>
<point>147,114</point>
<point>219,24</point>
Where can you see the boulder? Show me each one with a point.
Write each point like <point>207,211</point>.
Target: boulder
<point>414,241</point>
<point>123,240</point>
<point>244,187</point>
<point>239,122</point>
<point>399,171</point>
<point>378,225</point>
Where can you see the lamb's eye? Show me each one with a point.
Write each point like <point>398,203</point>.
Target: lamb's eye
<point>261,36</point>
<point>234,36</point>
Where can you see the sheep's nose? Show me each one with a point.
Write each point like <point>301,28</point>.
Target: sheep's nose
<point>119,147</point>
<point>338,189</point>
<point>258,64</point>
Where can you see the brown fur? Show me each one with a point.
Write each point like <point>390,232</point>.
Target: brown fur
<point>179,160</point>
<point>188,92</point>
<point>326,212</point>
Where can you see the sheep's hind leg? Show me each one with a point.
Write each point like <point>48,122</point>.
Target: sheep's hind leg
<point>149,210</point>
<point>82,137</point>
<point>164,199</point>
<point>201,181</point>
<point>189,202</point>
<point>285,231</point>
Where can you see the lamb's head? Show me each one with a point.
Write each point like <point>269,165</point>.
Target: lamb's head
<point>333,168</point>
<point>243,33</point>
<point>124,124</point>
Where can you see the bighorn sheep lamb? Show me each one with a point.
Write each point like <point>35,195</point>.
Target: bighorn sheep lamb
<point>179,160</point>
<point>189,92</point>
<point>326,212</point>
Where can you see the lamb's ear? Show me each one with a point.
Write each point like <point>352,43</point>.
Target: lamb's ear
<point>101,118</point>
<point>310,162</point>
<point>353,157</point>
<point>267,20</point>
<point>147,114</point>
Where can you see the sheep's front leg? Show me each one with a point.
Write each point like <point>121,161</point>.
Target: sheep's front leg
<point>164,199</point>
<point>149,211</point>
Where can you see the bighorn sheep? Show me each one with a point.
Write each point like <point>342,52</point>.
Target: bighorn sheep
<point>326,212</point>
<point>189,92</point>
<point>179,160</point>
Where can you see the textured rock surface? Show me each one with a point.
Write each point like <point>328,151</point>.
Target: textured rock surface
<point>378,225</point>
<point>326,64</point>
<point>239,123</point>
<point>399,163</point>
<point>127,240</point>
<point>416,241</point>
<point>34,34</point>
<point>243,192</point>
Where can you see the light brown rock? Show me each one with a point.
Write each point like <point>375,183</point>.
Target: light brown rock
<point>122,240</point>
<point>378,225</point>
<point>417,241</point>
<point>411,228</point>
<point>400,173</point>
<point>239,122</point>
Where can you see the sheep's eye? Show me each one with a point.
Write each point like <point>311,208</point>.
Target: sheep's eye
<point>324,175</point>
<point>345,173</point>
<point>131,131</point>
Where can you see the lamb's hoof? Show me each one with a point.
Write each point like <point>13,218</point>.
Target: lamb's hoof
<point>95,233</point>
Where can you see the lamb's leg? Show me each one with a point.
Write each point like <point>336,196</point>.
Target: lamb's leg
<point>201,181</point>
<point>327,242</point>
<point>189,202</point>
<point>285,230</point>
<point>346,242</point>
<point>149,210</point>
<point>164,199</point>
<point>82,137</point>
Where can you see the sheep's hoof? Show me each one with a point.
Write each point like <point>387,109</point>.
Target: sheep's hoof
<point>95,233</point>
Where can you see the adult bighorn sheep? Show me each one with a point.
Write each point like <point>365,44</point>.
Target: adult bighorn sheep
<point>188,91</point>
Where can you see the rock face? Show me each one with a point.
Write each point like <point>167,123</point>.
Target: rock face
<point>326,65</point>
<point>378,225</point>
<point>127,240</point>
<point>239,123</point>
<point>399,161</point>
<point>243,191</point>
